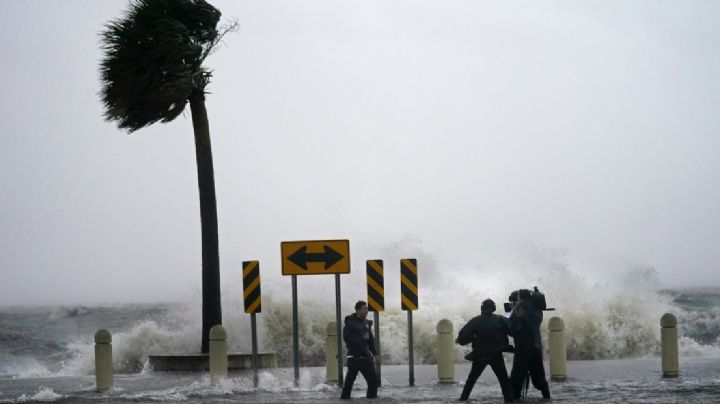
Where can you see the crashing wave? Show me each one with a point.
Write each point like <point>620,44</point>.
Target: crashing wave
<point>603,321</point>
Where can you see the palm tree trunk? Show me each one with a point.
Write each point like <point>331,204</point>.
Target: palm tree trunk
<point>212,311</point>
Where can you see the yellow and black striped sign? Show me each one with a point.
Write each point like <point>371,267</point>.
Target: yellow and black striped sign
<point>251,286</point>
<point>375,285</point>
<point>408,284</point>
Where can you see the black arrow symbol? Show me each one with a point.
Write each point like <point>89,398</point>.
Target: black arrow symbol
<point>301,257</point>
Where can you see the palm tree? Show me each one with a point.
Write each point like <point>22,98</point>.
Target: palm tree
<point>152,67</point>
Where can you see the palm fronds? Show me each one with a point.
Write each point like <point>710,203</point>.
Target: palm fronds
<point>153,60</point>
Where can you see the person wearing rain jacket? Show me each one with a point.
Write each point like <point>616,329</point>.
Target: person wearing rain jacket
<point>360,344</point>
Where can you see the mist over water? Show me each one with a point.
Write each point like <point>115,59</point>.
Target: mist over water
<point>619,318</point>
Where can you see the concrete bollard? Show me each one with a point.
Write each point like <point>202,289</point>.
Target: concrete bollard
<point>557,350</point>
<point>103,360</point>
<point>331,365</point>
<point>669,345</point>
<point>218,354</point>
<point>445,352</point>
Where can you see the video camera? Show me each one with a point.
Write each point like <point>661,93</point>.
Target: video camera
<point>537,297</point>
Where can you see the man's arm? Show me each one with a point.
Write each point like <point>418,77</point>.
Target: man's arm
<point>346,334</point>
<point>465,336</point>
<point>371,342</point>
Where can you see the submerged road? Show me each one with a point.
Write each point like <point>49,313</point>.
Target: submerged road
<point>606,381</point>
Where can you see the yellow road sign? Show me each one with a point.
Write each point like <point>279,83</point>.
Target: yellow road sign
<point>316,257</point>
<point>408,284</point>
<point>251,286</point>
<point>375,285</point>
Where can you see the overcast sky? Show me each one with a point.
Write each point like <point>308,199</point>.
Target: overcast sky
<point>472,132</point>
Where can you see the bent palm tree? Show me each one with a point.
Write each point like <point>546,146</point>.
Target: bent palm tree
<point>151,69</point>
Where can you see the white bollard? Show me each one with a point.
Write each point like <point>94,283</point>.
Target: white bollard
<point>218,354</point>
<point>669,345</point>
<point>557,350</point>
<point>445,352</point>
<point>331,365</point>
<point>103,360</point>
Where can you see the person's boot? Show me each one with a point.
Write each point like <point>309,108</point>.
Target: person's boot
<point>466,392</point>
<point>516,393</point>
<point>507,393</point>
<point>546,392</point>
<point>345,395</point>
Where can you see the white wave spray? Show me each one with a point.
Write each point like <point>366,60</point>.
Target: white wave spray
<point>616,319</point>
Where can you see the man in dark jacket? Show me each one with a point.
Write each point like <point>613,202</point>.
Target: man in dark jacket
<point>525,323</point>
<point>489,336</point>
<point>360,345</point>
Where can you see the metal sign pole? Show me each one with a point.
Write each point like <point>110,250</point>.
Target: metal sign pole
<point>410,348</point>
<point>315,257</point>
<point>339,334</point>
<point>296,341</point>
<point>253,305</point>
<point>253,329</point>
<point>377,345</point>
<point>409,302</point>
<point>376,302</point>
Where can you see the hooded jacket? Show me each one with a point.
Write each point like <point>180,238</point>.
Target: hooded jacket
<point>488,333</point>
<point>354,336</point>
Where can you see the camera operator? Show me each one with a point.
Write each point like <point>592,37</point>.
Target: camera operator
<point>525,323</point>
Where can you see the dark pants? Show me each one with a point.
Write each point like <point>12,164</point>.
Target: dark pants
<point>528,361</point>
<point>498,366</point>
<point>365,366</point>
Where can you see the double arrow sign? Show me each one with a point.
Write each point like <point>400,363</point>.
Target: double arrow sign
<point>318,257</point>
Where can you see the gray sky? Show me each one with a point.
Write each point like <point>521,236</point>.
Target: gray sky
<point>473,132</point>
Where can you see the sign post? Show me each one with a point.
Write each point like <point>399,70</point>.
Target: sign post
<point>337,329</point>
<point>296,341</point>
<point>316,257</point>
<point>409,303</point>
<point>376,303</point>
<point>251,295</point>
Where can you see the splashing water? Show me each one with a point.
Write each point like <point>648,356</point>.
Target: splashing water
<point>603,321</point>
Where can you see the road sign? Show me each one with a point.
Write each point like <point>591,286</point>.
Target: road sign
<point>375,285</point>
<point>409,302</point>
<point>251,286</point>
<point>318,257</point>
<point>376,303</point>
<point>408,284</point>
<point>251,294</point>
